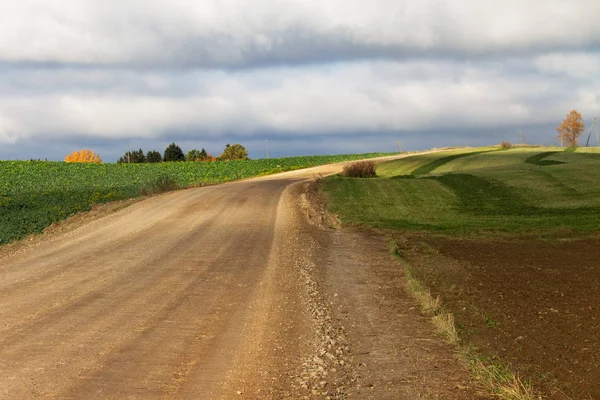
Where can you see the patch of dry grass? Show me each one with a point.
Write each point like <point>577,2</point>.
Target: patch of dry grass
<point>444,322</point>
<point>429,305</point>
<point>500,379</point>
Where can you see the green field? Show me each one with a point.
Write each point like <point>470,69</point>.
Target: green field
<point>543,191</point>
<point>35,194</point>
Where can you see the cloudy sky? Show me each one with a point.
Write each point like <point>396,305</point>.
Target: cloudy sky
<point>310,76</point>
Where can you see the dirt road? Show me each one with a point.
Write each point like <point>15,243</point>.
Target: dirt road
<point>214,293</point>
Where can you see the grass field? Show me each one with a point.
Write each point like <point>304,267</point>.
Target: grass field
<point>35,194</point>
<point>526,190</point>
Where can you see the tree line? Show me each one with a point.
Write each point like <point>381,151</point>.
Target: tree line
<point>174,153</point>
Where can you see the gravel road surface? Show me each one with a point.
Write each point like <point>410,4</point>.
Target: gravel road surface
<point>222,292</point>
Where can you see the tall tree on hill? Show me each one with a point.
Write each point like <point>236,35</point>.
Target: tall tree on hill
<point>173,153</point>
<point>570,129</point>
<point>153,156</point>
<point>234,152</point>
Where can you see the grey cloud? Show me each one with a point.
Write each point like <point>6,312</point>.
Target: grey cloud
<point>240,34</point>
<point>345,98</point>
<point>285,145</point>
<point>323,76</point>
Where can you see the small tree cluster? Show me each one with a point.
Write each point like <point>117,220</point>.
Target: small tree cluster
<point>153,156</point>
<point>199,155</point>
<point>85,156</point>
<point>133,157</point>
<point>138,157</point>
<point>234,152</point>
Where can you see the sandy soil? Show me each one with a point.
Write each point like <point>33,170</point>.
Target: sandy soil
<point>220,292</point>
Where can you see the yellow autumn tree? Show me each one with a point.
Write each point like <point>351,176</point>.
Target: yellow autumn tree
<point>570,128</point>
<point>84,155</point>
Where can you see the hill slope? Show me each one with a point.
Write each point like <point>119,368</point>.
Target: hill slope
<point>476,190</point>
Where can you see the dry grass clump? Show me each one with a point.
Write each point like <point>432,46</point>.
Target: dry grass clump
<point>501,380</point>
<point>361,169</point>
<point>444,322</point>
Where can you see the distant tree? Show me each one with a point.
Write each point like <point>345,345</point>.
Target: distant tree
<point>173,153</point>
<point>193,155</point>
<point>140,156</point>
<point>204,155</point>
<point>199,155</point>
<point>84,155</point>
<point>234,152</point>
<point>570,128</point>
<point>153,156</point>
<point>133,157</point>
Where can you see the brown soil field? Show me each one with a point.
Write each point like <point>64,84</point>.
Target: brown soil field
<point>531,303</point>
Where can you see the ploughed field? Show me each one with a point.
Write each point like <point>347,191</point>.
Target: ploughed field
<point>35,194</point>
<point>509,241</point>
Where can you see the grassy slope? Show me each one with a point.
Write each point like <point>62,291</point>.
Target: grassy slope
<point>477,190</point>
<point>34,194</point>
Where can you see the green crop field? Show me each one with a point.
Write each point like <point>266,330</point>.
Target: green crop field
<point>35,194</point>
<point>535,190</point>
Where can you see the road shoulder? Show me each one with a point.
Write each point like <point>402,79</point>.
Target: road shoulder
<point>394,350</point>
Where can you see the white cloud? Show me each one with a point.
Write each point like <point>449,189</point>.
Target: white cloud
<point>151,69</point>
<point>574,64</point>
<point>334,99</point>
<point>239,32</point>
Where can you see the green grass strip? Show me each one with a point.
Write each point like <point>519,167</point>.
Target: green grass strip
<point>479,196</point>
<point>431,166</point>
<point>538,159</point>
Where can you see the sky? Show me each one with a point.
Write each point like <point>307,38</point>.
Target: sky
<point>309,76</point>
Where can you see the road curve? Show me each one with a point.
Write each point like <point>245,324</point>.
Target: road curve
<point>191,294</point>
<point>223,292</point>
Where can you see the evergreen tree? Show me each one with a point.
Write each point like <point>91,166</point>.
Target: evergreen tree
<point>140,157</point>
<point>173,153</point>
<point>133,157</point>
<point>153,156</point>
